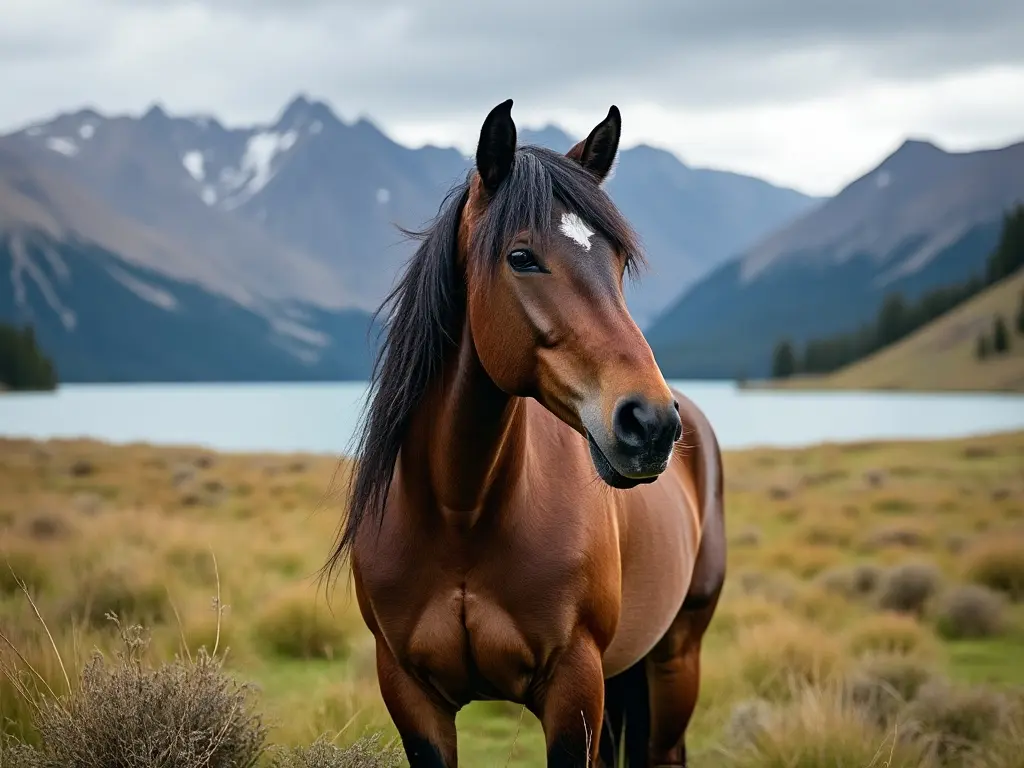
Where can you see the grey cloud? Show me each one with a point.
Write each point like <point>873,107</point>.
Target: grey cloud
<point>429,60</point>
<point>396,56</point>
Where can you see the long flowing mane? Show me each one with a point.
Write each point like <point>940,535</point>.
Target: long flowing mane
<point>427,306</point>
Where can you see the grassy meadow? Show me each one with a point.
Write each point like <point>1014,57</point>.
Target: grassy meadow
<point>873,614</point>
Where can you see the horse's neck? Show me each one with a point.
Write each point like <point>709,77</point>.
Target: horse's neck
<point>471,436</point>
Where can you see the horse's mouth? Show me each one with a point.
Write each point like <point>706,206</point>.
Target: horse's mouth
<point>609,474</point>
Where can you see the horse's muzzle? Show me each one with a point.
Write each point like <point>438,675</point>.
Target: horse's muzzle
<point>640,444</point>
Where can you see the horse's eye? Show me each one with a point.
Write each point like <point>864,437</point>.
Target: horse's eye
<point>523,261</point>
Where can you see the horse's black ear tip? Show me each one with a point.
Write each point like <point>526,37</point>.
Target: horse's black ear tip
<point>504,108</point>
<point>614,114</point>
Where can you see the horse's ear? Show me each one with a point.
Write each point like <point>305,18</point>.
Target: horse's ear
<point>597,152</point>
<point>497,146</point>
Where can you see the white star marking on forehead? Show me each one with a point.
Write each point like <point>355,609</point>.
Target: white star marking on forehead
<point>573,227</point>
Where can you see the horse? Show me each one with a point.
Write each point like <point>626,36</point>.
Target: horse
<point>534,515</point>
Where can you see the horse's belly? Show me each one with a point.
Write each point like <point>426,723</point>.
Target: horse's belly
<point>657,565</point>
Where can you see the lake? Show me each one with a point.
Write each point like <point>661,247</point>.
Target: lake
<point>322,418</point>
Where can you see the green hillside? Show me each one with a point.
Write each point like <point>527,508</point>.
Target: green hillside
<point>943,354</point>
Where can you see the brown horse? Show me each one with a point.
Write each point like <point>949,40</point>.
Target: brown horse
<point>525,522</point>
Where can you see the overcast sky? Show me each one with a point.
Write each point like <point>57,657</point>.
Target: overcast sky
<point>794,91</point>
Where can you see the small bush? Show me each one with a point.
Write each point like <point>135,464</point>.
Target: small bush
<point>365,753</point>
<point>908,588</point>
<point>892,633</point>
<point>178,715</point>
<point>951,721</point>
<point>999,565</point>
<point>970,611</point>
<point>851,581</point>
<point>882,685</point>
<point>775,657</point>
<point>293,627</point>
<point>816,727</point>
<point>110,591</point>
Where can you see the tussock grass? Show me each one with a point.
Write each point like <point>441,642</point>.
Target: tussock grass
<point>294,626</point>
<point>816,727</point>
<point>908,588</point>
<point>892,633</point>
<point>774,657</point>
<point>999,565</point>
<point>851,581</point>
<point>125,712</point>
<point>850,594</point>
<point>367,752</point>
<point>970,611</point>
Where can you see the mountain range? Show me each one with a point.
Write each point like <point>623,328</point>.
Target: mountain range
<point>163,247</point>
<point>122,237</point>
<point>923,218</point>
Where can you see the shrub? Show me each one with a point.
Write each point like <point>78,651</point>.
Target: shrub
<point>907,588</point>
<point>882,685</point>
<point>774,657</point>
<point>951,721</point>
<point>999,565</point>
<point>293,627</point>
<point>816,727</point>
<point>970,611</point>
<point>892,633</point>
<point>851,581</point>
<point>186,714</point>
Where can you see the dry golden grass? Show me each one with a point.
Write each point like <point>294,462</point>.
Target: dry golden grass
<point>848,566</point>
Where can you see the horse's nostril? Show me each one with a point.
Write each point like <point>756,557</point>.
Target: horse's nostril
<point>632,422</point>
<point>639,426</point>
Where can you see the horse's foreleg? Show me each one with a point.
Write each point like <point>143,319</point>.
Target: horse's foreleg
<point>426,726</point>
<point>673,676</point>
<point>571,705</point>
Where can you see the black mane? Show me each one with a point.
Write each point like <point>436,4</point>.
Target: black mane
<point>428,304</point>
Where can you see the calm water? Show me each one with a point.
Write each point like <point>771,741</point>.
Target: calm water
<point>323,417</point>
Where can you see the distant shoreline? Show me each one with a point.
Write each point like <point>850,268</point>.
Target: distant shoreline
<point>821,383</point>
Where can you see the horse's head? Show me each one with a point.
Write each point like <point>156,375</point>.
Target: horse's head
<point>544,252</point>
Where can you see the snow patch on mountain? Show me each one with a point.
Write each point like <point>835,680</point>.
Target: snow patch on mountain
<point>194,164</point>
<point>24,268</point>
<point>62,145</point>
<point>156,296</point>
<point>258,165</point>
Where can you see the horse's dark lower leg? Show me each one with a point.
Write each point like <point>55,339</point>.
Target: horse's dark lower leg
<point>611,730</point>
<point>674,679</point>
<point>426,727</point>
<point>571,707</point>
<point>626,705</point>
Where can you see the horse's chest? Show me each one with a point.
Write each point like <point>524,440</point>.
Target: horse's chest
<point>482,636</point>
<point>469,646</point>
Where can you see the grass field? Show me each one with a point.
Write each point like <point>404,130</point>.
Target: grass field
<point>850,566</point>
<point>939,356</point>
